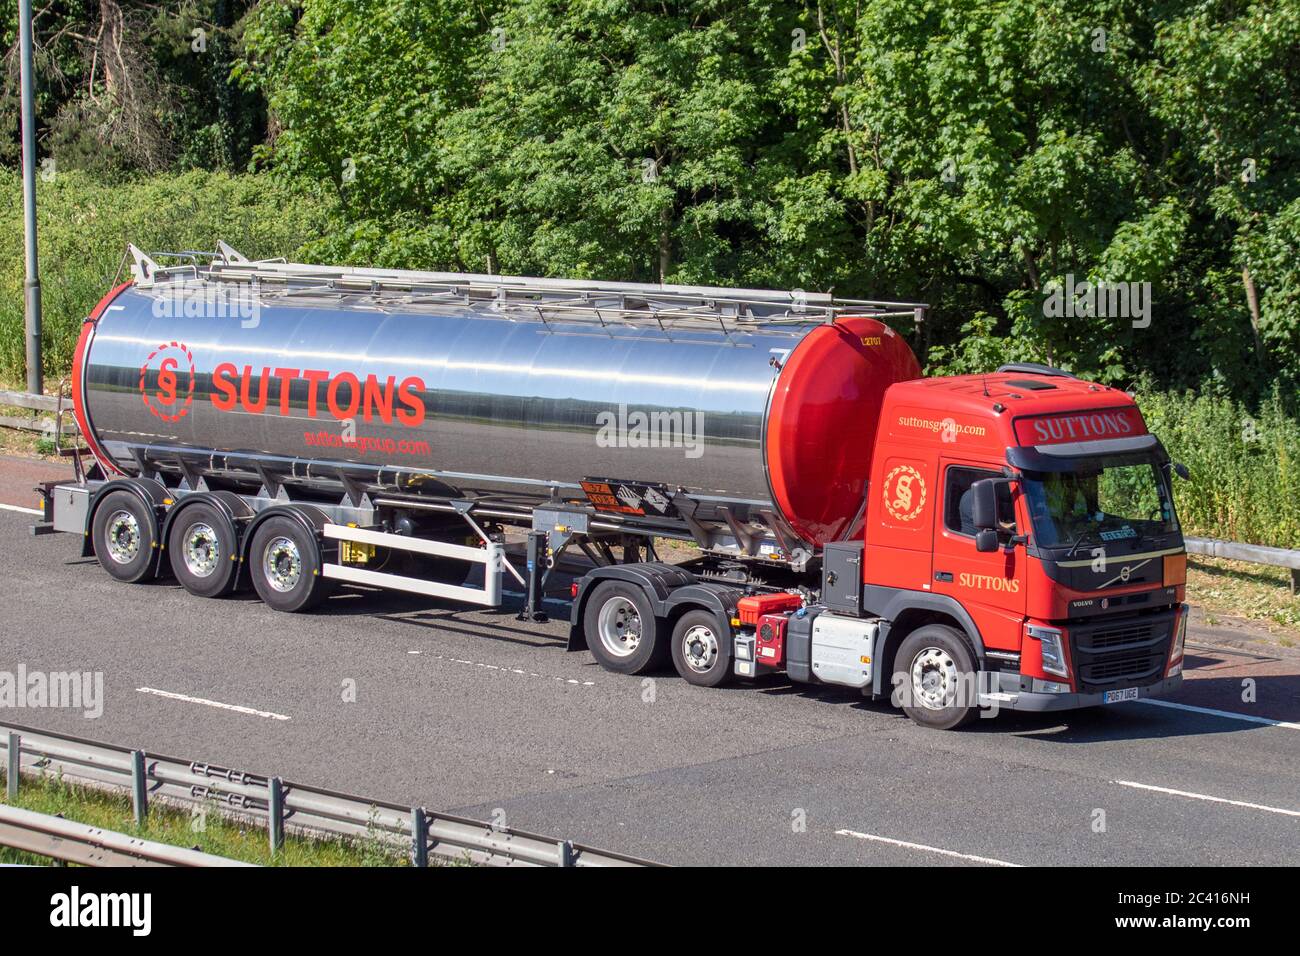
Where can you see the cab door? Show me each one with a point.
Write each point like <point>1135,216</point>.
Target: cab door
<point>991,586</point>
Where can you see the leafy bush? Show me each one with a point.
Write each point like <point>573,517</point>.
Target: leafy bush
<point>1245,482</point>
<point>84,227</point>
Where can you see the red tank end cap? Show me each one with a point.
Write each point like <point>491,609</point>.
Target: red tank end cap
<point>822,422</point>
<point>78,374</point>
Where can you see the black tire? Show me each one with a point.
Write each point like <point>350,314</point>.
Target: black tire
<point>125,535</point>
<point>203,550</point>
<point>701,654</point>
<point>284,562</point>
<point>631,644</point>
<point>938,687</point>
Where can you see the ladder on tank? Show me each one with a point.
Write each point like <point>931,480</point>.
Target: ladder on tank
<point>544,299</point>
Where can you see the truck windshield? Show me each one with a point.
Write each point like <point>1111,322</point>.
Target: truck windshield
<point>1118,500</point>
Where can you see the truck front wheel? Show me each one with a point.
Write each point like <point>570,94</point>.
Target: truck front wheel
<point>935,678</point>
<point>621,629</point>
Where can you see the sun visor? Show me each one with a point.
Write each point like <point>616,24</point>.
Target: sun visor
<point>1070,456</point>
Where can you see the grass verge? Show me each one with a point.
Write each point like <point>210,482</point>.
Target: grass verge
<point>201,828</point>
<point>1255,592</point>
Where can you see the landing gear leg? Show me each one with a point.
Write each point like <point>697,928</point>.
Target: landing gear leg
<point>537,573</point>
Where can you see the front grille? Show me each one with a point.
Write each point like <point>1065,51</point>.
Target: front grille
<point>1117,635</point>
<point>1126,652</point>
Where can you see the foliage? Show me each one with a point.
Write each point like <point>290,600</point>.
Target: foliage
<point>84,227</point>
<point>130,85</point>
<point>1245,466</point>
<point>971,154</point>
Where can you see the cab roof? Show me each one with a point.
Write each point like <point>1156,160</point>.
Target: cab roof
<point>1019,392</point>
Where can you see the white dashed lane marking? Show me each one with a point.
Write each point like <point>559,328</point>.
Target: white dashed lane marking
<point>517,671</point>
<point>1204,796</point>
<point>185,698</point>
<point>986,860</point>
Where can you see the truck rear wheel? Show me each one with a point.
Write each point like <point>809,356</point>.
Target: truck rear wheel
<point>284,562</point>
<point>700,653</point>
<point>124,531</point>
<point>203,551</point>
<point>938,688</point>
<point>621,629</point>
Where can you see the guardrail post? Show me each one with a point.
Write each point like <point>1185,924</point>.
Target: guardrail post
<point>139,787</point>
<point>419,837</point>
<point>566,853</point>
<point>275,807</point>
<point>1295,581</point>
<point>15,762</point>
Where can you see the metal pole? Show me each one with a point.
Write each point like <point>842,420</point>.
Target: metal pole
<point>139,787</point>
<point>275,812</point>
<point>32,286</point>
<point>15,766</point>
<point>419,837</point>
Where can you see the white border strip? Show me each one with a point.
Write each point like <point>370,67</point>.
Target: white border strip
<point>928,849</point>
<point>211,703</point>
<point>1249,718</point>
<point>22,510</point>
<point>1202,796</point>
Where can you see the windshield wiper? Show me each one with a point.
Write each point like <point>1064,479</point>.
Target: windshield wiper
<point>1078,541</point>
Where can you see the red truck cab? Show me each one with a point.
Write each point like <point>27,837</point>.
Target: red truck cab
<point>1028,513</point>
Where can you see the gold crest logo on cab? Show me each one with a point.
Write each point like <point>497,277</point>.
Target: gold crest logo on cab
<point>904,493</point>
<point>988,582</point>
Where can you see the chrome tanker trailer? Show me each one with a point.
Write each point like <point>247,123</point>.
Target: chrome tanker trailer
<point>292,426</point>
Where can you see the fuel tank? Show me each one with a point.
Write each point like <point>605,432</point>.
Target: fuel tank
<point>655,403</point>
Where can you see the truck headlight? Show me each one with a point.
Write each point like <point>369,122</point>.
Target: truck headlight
<point>1052,650</point>
<point>1180,635</point>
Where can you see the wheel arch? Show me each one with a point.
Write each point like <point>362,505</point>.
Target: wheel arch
<point>312,520</point>
<point>904,612</point>
<point>151,493</point>
<point>230,506</point>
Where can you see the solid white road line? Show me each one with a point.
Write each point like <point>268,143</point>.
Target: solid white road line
<point>928,849</point>
<point>21,510</point>
<point>211,703</point>
<point>1249,718</point>
<point>1203,796</point>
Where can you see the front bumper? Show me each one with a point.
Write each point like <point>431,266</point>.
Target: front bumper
<point>1012,697</point>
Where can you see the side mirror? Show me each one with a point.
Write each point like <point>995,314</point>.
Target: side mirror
<point>986,539</point>
<point>1181,471</point>
<point>984,505</point>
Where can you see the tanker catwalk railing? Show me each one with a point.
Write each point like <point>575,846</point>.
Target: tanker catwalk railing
<point>282,806</point>
<point>545,299</point>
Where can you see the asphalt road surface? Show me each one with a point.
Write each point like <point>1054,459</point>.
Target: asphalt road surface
<point>477,713</point>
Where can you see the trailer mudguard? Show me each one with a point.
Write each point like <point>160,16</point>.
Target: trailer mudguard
<point>151,492</point>
<point>232,508</point>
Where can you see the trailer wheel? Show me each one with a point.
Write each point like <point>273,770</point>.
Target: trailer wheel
<point>284,562</point>
<point>203,551</point>
<point>701,654</point>
<point>125,532</point>
<point>621,629</point>
<point>938,671</point>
